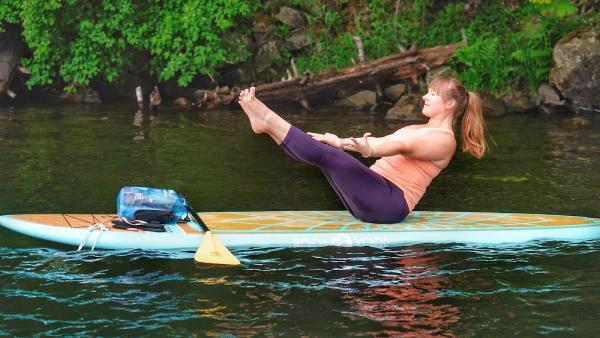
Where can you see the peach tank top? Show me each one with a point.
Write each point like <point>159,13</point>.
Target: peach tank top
<point>411,175</point>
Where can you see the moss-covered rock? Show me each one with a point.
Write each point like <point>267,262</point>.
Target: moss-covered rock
<point>576,71</point>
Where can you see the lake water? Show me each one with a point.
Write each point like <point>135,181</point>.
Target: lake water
<point>73,159</point>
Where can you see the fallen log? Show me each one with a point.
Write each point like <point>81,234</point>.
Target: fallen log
<point>308,88</point>
<point>409,64</point>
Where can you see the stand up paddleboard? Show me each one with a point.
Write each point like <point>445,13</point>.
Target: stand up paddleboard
<point>307,229</point>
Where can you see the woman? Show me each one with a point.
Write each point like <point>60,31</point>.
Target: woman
<point>410,158</point>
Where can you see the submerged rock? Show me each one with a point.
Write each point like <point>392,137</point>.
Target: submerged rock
<point>182,102</point>
<point>577,122</point>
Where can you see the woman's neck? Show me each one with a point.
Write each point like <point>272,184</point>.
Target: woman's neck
<point>444,121</point>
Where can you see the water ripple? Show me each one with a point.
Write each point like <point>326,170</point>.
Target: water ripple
<point>448,290</point>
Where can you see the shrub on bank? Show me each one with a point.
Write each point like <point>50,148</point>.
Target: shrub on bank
<point>510,43</point>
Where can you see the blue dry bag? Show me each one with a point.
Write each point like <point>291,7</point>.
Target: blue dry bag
<point>135,202</point>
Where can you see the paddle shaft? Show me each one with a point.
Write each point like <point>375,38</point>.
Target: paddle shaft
<point>197,218</point>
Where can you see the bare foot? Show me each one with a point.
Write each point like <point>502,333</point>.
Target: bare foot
<point>257,112</point>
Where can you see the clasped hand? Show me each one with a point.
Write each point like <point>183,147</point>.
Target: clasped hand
<point>327,138</point>
<point>360,145</point>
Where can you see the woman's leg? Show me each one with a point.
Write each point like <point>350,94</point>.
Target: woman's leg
<point>332,183</point>
<point>262,119</point>
<point>366,194</point>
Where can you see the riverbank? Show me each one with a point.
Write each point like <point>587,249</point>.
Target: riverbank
<point>102,52</point>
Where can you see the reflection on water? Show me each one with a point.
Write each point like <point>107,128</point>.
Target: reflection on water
<point>138,121</point>
<point>414,291</point>
<point>407,300</point>
<point>138,118</point>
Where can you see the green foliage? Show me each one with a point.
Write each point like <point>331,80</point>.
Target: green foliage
<point>328,53</point>
<point>382,32</point>
<point>377,30</point>
<point>445,26</point>
<point>498,59</point>
<point>332,21</point>
<point>80,40</point>
<point>9,11</point>
<point>282,31</point>
<point>484,67</point>
<point>508,48</point>
<point>37,17</point>
<point>186,38</point>
<point>557,8</point>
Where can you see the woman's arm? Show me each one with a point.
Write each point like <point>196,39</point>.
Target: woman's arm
<point>373,141</point>
<point>334,141</point>
<point>433,146</point>
<point>327,138</point>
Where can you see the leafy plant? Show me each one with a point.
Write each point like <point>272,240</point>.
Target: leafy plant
<point>282,31</point>
<point>80,40</point>
<point>77,41</point>
<point>9,12</point>
<point>499,59</point>
<point>557,8</point>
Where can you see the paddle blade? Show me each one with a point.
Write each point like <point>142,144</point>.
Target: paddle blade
<point>211,251</point>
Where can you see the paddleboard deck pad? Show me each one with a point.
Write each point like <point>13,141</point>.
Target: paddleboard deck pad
<point>307,229</point>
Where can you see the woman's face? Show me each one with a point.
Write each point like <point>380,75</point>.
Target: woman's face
<point>433,104</point>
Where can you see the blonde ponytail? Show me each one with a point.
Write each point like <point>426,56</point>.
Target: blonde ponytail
<point>472,127</point>
<point>468,104</point>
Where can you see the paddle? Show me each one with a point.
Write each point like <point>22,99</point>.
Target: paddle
<point>211,250</point>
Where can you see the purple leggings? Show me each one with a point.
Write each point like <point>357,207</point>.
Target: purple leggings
<point>367,195</point>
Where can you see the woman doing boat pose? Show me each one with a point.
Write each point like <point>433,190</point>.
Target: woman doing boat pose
<point>408,160</point>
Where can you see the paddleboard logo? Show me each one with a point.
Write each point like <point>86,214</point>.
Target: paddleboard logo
<point>341,240</point>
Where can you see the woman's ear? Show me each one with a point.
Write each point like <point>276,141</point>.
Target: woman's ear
<point>451,104</point>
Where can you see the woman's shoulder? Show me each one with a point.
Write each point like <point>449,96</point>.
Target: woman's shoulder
<point>416,130</point>
<point>408,128</point>
<point>442,137</point>
<point>423,129</point>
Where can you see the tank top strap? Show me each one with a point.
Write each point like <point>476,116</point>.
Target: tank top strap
<point>424,130</point>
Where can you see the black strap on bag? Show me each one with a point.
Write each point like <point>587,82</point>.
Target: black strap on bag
<point>124,223</point>
<point>155,216</point>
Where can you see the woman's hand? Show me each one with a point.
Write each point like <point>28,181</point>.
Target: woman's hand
<point>360,145</point>
<point>327,138</point>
